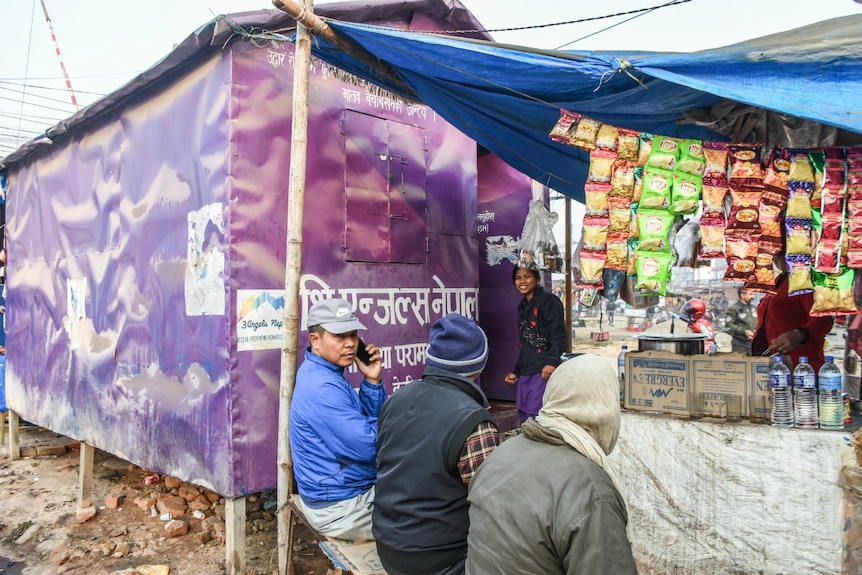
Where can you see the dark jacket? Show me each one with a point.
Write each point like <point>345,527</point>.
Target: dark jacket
<point>740,318</point>
<point>541,508</point>
<point>541,331</point>
<point>420,518</point>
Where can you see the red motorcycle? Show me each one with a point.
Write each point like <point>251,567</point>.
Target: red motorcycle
<point>693,313</point>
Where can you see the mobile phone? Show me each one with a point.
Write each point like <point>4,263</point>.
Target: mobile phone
<point>362,352</point>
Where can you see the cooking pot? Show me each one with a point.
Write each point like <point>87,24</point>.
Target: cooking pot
<point>681,343</point>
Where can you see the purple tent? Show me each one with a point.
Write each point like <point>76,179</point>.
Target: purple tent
<point>146,244</point>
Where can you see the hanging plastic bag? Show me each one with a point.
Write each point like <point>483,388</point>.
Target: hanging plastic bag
<point>537,248</point>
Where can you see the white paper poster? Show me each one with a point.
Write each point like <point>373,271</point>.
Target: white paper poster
<point>260,319</point>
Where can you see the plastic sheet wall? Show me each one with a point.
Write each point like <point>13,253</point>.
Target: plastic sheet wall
<point>147,250</point>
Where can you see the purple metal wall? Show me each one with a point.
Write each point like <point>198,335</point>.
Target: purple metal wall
<point>146,259</point>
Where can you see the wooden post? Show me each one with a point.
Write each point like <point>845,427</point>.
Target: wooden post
<point>85,482</point>
<point>234,515</point>
<point>293,267</point>
<point>305,17</point>
<point>14,440</point>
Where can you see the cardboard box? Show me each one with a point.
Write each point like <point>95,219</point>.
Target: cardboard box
<point>662,381</point>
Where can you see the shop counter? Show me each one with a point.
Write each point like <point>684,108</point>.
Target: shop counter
<point>712,497</point>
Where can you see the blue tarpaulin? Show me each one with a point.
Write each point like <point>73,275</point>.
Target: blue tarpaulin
<point>508,98</point>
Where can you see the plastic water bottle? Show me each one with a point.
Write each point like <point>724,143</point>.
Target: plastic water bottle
<point>621,372</point>
<point>779,394</point>
<point>804,395</point>
<point>831,402</point>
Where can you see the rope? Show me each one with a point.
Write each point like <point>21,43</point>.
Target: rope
<point>625,66</point>
<point>257,36</point>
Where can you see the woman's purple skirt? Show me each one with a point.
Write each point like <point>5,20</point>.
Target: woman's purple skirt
<point>528,399</point>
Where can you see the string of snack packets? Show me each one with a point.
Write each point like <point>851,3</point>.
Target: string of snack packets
<point>639,185</point>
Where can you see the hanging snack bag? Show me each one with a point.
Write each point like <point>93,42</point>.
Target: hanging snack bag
<point>653,272</point>
<point>686,193</point>
<point>777,169</point>
<point>585,133</point>
<point>833,293</point>
<point>832,201</point>
<point>591,269</point>
<point>613,280</point>
<point>601,166</point>
<point>818,163</point>
<point>740,247</point>
<point>589,296</point>
<point>769,213</point>
<point>798,232</point>
<point>745,168</point>
<point>562,130</point>
<point>644,148</point>
<point>634,229</point>
<point>832,226</point>
<point>799,199</point>
<point>628,145</point>
<point>743,210</point>
<point>596,199</point>
<point>711,238</point>
<point>664,153</point>
<point>595,234</point>
<point>618,251</point>
<point>827,258</point>
<point>714,189</point>
<point>834,173</point>
<point>620,214</point>
<point>639,185</point>
<point>798,274</point>
<point>691,158</point>
<point>631,269</point>
<point>801,169</point>
<point>764,272</point>
<point>654,228</point>
<point>715,158</point>
<point>623,178</point>
<point>606,137</point>
<point>658,187</point>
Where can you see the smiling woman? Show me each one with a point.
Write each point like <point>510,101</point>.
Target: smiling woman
<point>542,340</point>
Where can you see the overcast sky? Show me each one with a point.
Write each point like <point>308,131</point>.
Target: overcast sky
<point>105,43</point>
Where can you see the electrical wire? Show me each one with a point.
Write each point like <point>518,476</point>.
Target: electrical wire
<point>642,13</point>
<point>34,95</point>
<point>47,88</point>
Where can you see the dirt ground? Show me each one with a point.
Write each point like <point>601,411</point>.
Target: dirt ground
<point>40,535</point>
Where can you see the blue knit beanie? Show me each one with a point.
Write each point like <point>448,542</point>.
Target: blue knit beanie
<point>457,344</point>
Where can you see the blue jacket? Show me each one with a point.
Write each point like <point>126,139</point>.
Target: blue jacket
<point>333,432</point>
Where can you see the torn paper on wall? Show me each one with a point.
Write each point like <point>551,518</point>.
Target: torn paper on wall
<point>76,312</point>
<point>205,287</point>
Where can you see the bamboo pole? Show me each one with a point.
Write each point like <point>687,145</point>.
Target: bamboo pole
<point>320,28</point>
<point>293,266</point>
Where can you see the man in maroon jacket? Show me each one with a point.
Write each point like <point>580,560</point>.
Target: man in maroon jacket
<point>784,326</point>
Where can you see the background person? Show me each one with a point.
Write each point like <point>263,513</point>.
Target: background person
<point>542,340</point>
<point>333,430</point>
<point>741,319</point>
<point>434,435</point>
<point>547,501</point>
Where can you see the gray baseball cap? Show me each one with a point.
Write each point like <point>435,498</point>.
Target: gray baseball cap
<point>334,315</point>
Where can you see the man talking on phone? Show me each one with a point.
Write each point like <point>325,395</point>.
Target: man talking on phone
<point>333,430</point>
